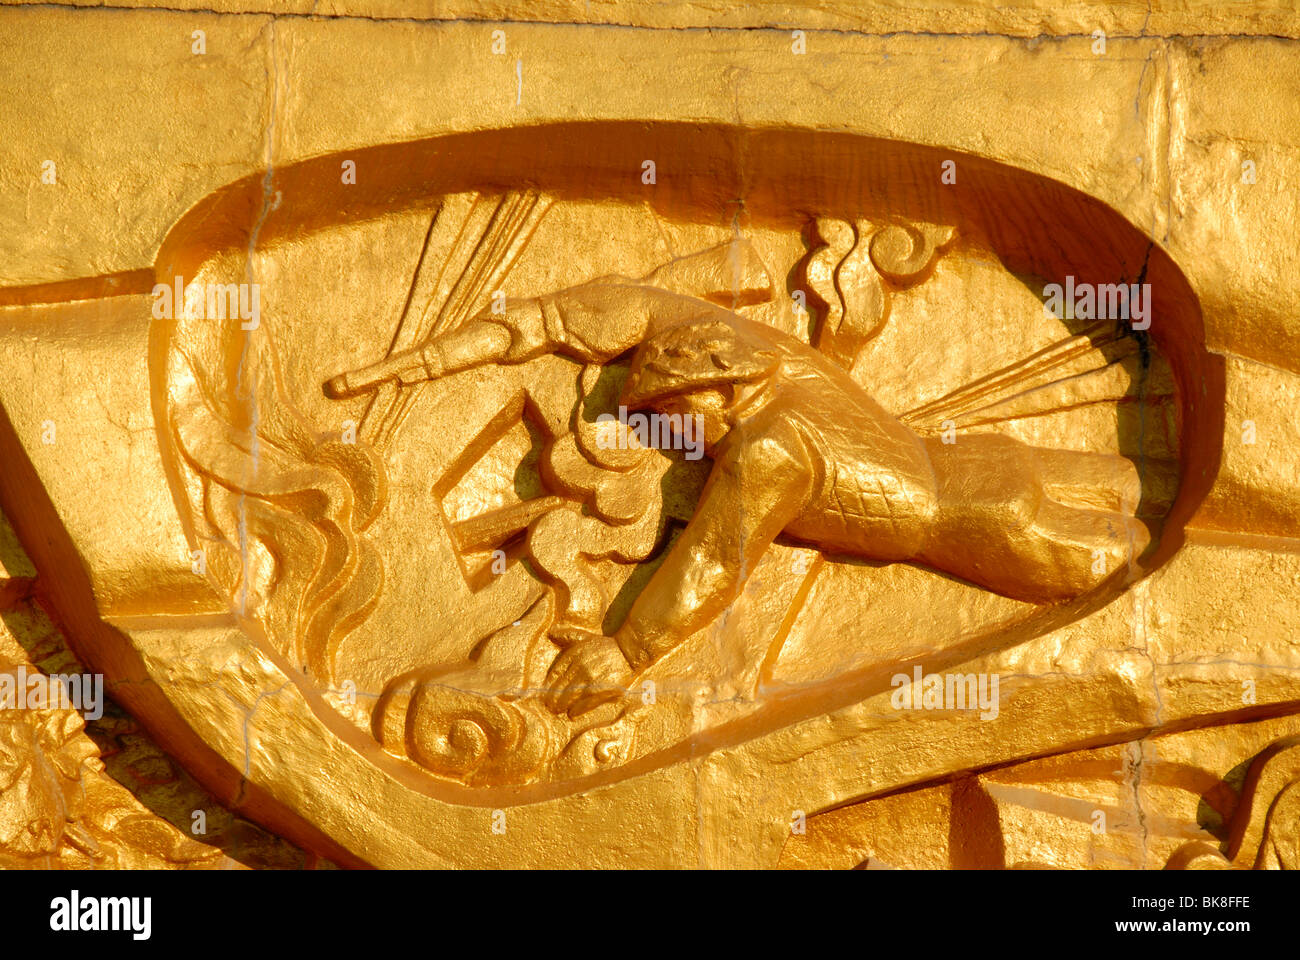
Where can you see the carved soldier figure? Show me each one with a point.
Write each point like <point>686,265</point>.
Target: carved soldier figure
<point>799,450</point>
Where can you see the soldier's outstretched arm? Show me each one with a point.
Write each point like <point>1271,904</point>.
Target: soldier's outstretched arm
<point>516,335</point>
<point>594,322</point>
<point>757,487</point>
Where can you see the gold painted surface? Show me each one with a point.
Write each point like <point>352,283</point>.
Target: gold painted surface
<point>589,446</point>
<point>100,794</point>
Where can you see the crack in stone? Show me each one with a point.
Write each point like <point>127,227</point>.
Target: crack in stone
<point>772,27</point>
<point>273,83</point>
<point>1134,765</point>
<point>248,718</point>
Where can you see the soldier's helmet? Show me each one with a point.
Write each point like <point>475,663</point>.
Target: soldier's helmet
<point>698,356</point>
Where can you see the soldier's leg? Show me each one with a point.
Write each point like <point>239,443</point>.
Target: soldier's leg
<point>997,527</point>
<point>1096,481</point>
<point>1087,546</point>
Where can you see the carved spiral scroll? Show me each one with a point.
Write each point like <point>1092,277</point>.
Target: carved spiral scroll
<point>475,738</point>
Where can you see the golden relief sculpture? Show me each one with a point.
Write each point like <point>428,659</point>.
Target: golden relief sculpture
<point>798,450</point>
<point>615,490</point>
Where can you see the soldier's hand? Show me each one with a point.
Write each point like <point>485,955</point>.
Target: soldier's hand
<point>590,671</point>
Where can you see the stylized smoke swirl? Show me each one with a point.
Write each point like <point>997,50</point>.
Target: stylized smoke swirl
<point>476,738</point>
